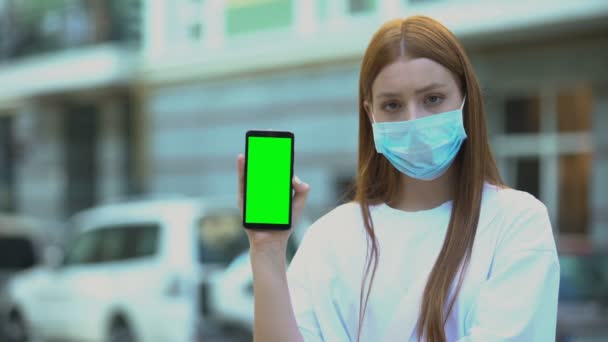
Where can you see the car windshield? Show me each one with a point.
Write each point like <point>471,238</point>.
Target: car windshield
<point>16,253</point>
<point>221,237</point>
<point>584,277</point>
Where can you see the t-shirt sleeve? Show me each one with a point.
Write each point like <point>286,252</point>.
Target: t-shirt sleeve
<point>518,301</point>
<point>302,286</point>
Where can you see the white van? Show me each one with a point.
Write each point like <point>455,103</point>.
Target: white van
<point>138,271</point>
<point>22,247</point>
<point>19,245</point>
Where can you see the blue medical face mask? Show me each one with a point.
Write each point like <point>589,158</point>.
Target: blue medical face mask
<point>422,148</point>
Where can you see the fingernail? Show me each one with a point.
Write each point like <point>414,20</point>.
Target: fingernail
<point>298,180</point>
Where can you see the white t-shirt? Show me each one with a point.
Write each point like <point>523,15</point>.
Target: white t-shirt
<point>509,293</point>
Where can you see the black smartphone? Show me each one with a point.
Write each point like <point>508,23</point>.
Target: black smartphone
<point>267,194</point>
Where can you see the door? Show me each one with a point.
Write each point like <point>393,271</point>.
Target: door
<point>7,174</point>
<point>59,295</point>
<point>81,156</point>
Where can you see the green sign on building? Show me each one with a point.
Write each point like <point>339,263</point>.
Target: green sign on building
<point>244,16</point>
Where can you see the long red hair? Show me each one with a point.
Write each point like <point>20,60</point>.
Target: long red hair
<point>379,182</point>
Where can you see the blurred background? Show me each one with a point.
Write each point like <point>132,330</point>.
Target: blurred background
<point>120,121</point>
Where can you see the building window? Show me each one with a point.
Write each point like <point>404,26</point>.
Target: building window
<point>574,176</point>
<point>361,6</point>
<point>550,155</point>
<point>527,175</point>
<point>522,115</point>
<point>415,2</point>
<point>574,109</point>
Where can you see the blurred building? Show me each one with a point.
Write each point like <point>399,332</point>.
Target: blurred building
<point>101,119</point>
<point>66,103</point>
<point>214,69</point>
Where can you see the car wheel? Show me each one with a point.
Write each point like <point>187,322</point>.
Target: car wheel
<point>238,337</point>
<point>15,329</point>
<point>222,332</point>
<point>120,332</point>
<point>233,333</point>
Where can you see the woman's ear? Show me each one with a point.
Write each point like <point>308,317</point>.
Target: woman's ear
<point>368,110</point>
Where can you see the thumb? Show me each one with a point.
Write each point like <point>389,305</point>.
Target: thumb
<point>299,186</point>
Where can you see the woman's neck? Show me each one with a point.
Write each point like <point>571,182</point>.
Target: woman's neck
<point>422,195</point>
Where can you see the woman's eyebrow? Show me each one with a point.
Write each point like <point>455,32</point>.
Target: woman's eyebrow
<point>388,94</point>
<point>426,88</point>
<point>429,87</point>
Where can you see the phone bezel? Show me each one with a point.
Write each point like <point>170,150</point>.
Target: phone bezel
<point>267,134</point>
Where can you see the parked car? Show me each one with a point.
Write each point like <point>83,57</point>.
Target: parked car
<point>135,271</point>
<point>583,293</point>
<point>22,247</point>
<point>232,289</point>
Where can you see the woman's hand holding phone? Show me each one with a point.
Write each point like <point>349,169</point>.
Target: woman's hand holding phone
<point>265,240</point>
<point>274,316</point>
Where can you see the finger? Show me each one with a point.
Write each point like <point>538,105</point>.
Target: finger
<point>240,166</point>
<point>299,185</point>
<point>301,194</point>
<point>299,204</point>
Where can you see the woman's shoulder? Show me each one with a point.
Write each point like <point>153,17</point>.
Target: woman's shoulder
<point>329,240</point>
<point>341,216</point>
<point>347,211</point>
<point>522,218</point>
<point>512,202</point>
<point>341,220</point>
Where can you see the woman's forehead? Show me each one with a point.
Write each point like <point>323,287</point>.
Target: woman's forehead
<point>408,75</point>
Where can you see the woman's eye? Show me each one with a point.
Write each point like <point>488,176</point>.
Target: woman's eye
<point>433,100</point>
<point>391,106</point>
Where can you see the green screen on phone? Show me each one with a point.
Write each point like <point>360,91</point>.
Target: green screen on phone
<point>268,181</point>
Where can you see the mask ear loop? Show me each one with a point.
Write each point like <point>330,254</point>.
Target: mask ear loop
<point>463,101</point>
<point>373,119</point>
<point>373,122</point>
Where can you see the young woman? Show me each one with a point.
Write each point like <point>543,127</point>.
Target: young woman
<point>434,247</point>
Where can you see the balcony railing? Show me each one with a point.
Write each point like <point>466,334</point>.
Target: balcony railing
<point>30,27</point>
